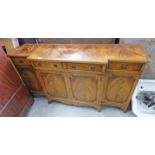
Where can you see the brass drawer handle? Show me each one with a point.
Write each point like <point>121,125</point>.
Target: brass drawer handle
<point>92,68</point>
<point>123,66</point>
<point>55,65</point>
<point>73,67</point>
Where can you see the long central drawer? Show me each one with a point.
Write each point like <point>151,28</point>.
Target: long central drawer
<point>84,67</point>
<point>70,66</point>
<point>47,65</point>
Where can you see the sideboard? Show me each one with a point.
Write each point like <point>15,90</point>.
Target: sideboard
<point>84,74</point>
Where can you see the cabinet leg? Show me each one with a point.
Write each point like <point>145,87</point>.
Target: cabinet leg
<point>98,108</point>
<point>124,108</point>
<point>49,101</point>
<point>32,101</point>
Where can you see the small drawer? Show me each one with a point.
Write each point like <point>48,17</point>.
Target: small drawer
<point>84,67</point>
<point>47,65</point>
<point>125,66</point>
<point>21,61</point>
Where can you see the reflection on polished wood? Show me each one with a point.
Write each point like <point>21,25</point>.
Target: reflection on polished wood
<point>84,74</point>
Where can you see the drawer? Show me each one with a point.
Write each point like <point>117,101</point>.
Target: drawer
<point>125,66</point>
<point>47,65</point>
<point>84,67</point>
<point>21,61</point>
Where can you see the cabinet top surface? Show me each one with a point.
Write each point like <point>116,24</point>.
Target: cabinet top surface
<point>96,53</point>
<point>22,51</point>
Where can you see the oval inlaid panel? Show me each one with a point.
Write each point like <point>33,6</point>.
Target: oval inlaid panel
<point>119,88</point>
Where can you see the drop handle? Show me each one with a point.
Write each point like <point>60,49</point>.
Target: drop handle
<point>39,64</point>
<point>92,68</point>
<point>73,67</point>
<point>55,65</point>
<point>124,66</point>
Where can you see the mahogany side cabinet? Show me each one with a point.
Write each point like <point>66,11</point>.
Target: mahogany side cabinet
<point>14,96</point>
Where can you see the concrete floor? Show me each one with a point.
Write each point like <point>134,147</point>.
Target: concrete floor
<point>41,108</point>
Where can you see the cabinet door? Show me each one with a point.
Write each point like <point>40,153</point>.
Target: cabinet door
<point>119,88</point>
<point>30,79</point>
<point>85,88</point>
<point>53,83</point>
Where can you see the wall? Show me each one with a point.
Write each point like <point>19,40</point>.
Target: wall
<point>69,40</point>
<point>26,40</point>
<point>7,42</point>
<point>77,40</point>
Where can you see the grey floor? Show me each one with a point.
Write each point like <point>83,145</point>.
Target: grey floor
<point>41,108</point>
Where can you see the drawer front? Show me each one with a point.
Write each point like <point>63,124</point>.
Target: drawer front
<point>84,67</point>
<point>47,65</point>
<point>21,61</point>
<point>125,66</point>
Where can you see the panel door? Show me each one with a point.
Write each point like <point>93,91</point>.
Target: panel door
<point>53,83</point>
<point>30,79</point>
<point>119,87</point>
<point>85,88</point>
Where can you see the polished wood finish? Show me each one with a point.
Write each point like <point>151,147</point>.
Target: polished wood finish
<point>88,75</point>
<point>119,88</point>
<point>125,66</point>
<point>84,67</point>
<point>14,97</point>
<point>47,65</point>
<point>29,77</point>
<point>85,88</point>
<point>54,84</point>
<point>21,61</point>
<point>99,54</point>
<point>25,69</point>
